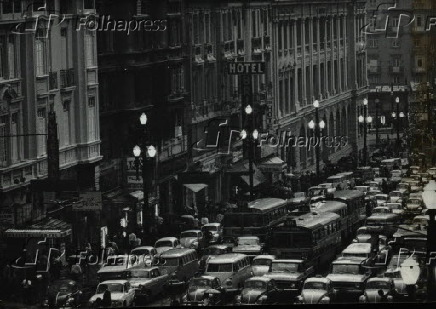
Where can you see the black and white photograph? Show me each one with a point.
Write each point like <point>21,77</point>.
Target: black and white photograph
<point>162,153</point>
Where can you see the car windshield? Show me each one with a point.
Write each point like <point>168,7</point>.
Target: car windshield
<point>403,186</point>
<point>171,262</point>
<point>112,287</point>
<point>256,285</point>
<point>189,234</point>
<point>395,193</point>
<point>248,241</point>
<point>375,285</point>
<point>141,251</point>
<point>115,261</point>
<point>345,269</point>
<point>220,268</point>
<point>213,251</point>
<point>262,262</point>
<point>315,192</point>
<point>414,201</point>
<point>138,274</point>
<point>164,243</point>
<point>284,266</point>
<point>200,283</point>
<point>315,286</point>
<point>210,228</point>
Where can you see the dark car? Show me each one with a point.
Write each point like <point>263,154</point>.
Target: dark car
<point>316,290</point>
<point>66,292</point>
<point>378,290</point>
<point>258,291</point>
<point>202,288</point>
<point>211,252</point>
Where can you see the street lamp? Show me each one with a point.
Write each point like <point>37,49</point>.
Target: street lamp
<point>317,132</point>
<point>251,139</point>
<point>410,272</point>
<point>142,154</point>
<point>429,198</point>
<point>365,120</point>
<point>377,101</point>
<point>397,100</point>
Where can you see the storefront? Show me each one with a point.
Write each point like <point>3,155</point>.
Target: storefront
<point>273,168</point>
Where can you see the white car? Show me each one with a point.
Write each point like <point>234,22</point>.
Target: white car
<point>166,243</point>
<point>216,229</point>
<point>192,239</point>
<point>396,197</point>
<point>381,199</point>
<point>329,186</point>
<point>122,294</point>
<point>261,264</point>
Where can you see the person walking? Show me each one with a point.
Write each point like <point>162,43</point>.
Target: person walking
<point>107,298</point>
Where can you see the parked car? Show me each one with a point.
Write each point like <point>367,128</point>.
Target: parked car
<point>201,286</point>
<point>145,253</point>
<point>258,291</point>
<point>210,252</point>
<point>148,282</point>
<point>115,265</point>
<point>372,290</point>
<point>166,243</point>
<point>316,290</point>
<point>248,245</point>
<point>290,275</point>
<point>381,199</point>
<point>396,197</point>
<point>396,208</point>
<point>261,264</point>
<point>192,239</point>
<point>122,294</point>
<point>215,229</point>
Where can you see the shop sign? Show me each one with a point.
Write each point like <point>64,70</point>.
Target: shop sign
<point>90,201</point>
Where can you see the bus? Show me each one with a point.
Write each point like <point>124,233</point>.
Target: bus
<point>338,208</point>
<point>355,201</point>
<point>255,219</point>
<point>387,221</point>
<point>314,237</point>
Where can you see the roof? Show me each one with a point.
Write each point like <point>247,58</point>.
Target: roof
<point>335,177</point>
<point>266,203</point>
<point>167,238</point>
<point>379,279</point>
<point>218,246</point>
<point>259,278</point>
<point>192,231</point>
<point>311,220</point>
<point>264,256</point>
<point>326,206</point>
<point>288,261</point>
<point>212,224</point>
<point>348,194</point>
<point>177,252</point>
<point>248,237</point>
<point>50,228</point>
<point>318,279</point>
<point>120,281</point>
<point>358,247</point>
<point>351,260</point>
<point>227,258</point>
<point>143,247</point>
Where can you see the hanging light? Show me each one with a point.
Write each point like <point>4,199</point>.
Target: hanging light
<point>151,151</point>
<point>243,134</point>
<point>322,124</point>
<point>402,115</point>
<point>397,99</point>
<point>394,115</point>
<point>316,103</point>
<point>311,124</point>
<point>365,101</point>
<point>369,119</point>
<point>361,119</point>
<point>136,151</point>
<point>143,119</point>
<point>255,134</point>
<point>248,109</point>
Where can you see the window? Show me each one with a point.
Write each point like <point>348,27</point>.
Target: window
<point>41,128</point>
<point>88,4</point>
<point>396,62</point>
<point>41,65</point>
<point>89,48</point>
<point>92,119</point>
<point>15,140</point>
<point>66,136</point>
<point>3,141</point>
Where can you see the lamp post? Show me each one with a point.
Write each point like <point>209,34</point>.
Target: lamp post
<point>250,135</point>
<point>397,100</point>
<point>429,197</point>
<point>317,126</point>
<point>365,120</point>
<point>410,272</point>
<point>142,154</point>
<point>377,101</point>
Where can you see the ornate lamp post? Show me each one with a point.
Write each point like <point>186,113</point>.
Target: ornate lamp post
<point>250,135</point>
<point>317,126</point>
<point>397,100</point>
<point>142,154</point>
<point>410,272</point>
<point>365,120</point>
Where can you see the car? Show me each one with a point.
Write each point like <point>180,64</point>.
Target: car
<point>415,186</point>
<point>396,208</point>
<point>248,245</point>
<point>144,252</point>
<point>329,186</point>
<point>148,282</point>
<point>348,276</point>
<point>396,175</point>
<point>192,239</point>
<point>414,206</point>
<point>316,290</point>
<point>373,288</point>
<point>201,286</point>
<point>122,294</point>
<point>229,241</point>
<point>290,275</point>
<point>258,291</point>
<point>432,172</point>
<point>216,230</point>
<point>166,243</point>
<point>261,264</point>
<point>381,199</point>
<point>317,191</point>
<point>414,169</point>
<point>396,197</point>
<point>65,293</point>
<point>210,252</point>
<point>403,187</point>
<point>361,249</point>
<point>115,265</point>
<point>382,210</point>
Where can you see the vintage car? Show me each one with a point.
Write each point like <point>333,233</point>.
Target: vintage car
<point>316,290</point>
<point>432,172</point>
<point>145,253</point>
<point>396,208</point>
<point>166,243</point>
<point>414,169</point>
<point>148,282</point>
<point>216,231</point>
<point>361,250</point>
<point>66,293</point>
<point>317,191</point>
<point>261,264</point>
<point>210,252</point>
<point>415,186</point>
<point>396,175</point>
<point>192,239</point>
<point>258,291</point>
<point>289,275</point>
<point>115,265</point>
<point>414,206</point>
<point>396,196</point>
<point>381,199</point>
<point>248,245</point>
<point>329,186</point>
<point>348,276</point>
<point>201,286</point>
<point>376,288</point>
<point>122,294</point>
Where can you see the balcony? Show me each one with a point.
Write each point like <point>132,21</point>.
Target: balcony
<point>396,69</point>
<point>176,96</point>
<point>53,80</point>
<point>256,45</point>
<point>240,47</point>
<point>67,78</point>
<point>173,147</point>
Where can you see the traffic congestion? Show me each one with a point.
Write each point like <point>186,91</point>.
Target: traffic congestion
<point>348,239</point>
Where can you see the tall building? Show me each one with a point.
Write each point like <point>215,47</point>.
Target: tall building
<point>46,64</point>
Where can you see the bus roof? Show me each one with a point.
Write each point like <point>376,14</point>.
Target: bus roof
<point>390,160</point>
<point>266,203</point>
<point>329,206</point>
<point>313,219</point>
<point>348,194</point>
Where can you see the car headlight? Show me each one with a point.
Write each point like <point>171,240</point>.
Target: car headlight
<point>362,299</point>
<point>293,285</point>
<point>229,282</point>
<point>325,300</point>
<point>238,299</point>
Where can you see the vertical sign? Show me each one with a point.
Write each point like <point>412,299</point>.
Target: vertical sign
<point>52,147</point>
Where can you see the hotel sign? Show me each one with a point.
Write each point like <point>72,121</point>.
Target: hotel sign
<point>244,68</point>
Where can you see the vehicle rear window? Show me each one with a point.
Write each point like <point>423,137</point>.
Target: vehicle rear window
<point>220,268</point>
<point>171,262</point>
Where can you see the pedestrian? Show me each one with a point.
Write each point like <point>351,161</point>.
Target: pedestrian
<point>98,303</point>
<point>76,272</point>
<point>107,299</point>
<point>26,286</point>
<point>132,240</point>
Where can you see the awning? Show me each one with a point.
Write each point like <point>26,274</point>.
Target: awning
<point>195,187</point>
<point>51,228</point>
<point>273,165</point>
<point>139,195</point>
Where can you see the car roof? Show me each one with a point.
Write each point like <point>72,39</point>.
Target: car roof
<point>379,279</point>
<point>288,261</point>
<point>227,258</point>
<point>167,238</point>
<point>176,252</point>
<point>218,246</point>
<point>248,237</point>
<point>191,231</point>
<point>144,247</point>
<point>259,278</point>
<point>114,281</point>
<point>264,256</point>
<point>317,279</point>
<point>352,260</point>
<point>358,246</point>
<point>212,224</point>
